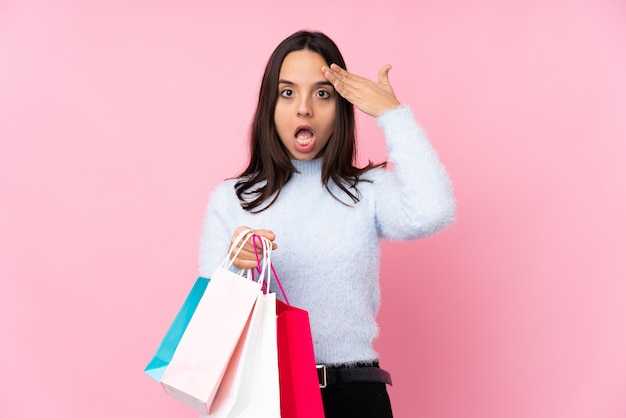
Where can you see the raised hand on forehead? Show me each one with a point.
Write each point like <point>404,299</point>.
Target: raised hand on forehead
<point>367,96</point>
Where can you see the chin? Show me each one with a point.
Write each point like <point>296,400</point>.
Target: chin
<point>305,157</point>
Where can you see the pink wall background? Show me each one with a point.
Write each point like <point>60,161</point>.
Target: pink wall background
<point>118,118</point>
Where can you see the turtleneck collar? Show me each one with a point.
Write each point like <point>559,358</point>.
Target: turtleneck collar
<point>309,168</point>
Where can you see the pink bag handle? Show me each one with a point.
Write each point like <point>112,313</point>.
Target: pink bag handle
<point>258,260</point>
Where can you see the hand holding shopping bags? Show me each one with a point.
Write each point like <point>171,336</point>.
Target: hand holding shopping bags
<point>223,352</point>
<point>200,358</point>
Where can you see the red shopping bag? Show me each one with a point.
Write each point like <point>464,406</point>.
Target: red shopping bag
<point>300,395</point>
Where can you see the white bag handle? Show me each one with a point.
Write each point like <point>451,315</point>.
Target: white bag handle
<point>265,259</point>
<point>236,247</point>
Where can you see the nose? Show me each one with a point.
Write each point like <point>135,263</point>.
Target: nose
<point>304,107</point>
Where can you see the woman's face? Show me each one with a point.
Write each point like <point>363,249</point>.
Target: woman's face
<point>305,108</point>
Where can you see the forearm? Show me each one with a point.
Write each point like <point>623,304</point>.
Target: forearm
<point>214,241</point>
<point>417,199</point>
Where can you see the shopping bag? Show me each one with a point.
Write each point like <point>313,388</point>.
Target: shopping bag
<point>300,395</point>
<point>226,394</point>
<point>198,363</point>
<point>161,359</point>
<point>250,386</point>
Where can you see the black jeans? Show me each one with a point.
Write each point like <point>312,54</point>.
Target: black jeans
<point>360,400</point>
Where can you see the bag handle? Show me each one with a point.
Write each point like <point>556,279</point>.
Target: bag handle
<point>235,248</point>
<point>233,252</point>
<point>262,264</point>
<point>267,250</point>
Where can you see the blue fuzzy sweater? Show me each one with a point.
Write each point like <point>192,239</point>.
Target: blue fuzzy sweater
<point>328,254</point>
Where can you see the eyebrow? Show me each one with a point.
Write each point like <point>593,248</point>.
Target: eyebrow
<point>319,83</point>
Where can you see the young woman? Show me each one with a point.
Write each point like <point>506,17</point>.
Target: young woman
<point>325,216</point>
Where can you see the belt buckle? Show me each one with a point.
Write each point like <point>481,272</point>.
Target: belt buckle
<point>321,375</point>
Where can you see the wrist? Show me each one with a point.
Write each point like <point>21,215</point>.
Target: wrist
<point>388,109</point>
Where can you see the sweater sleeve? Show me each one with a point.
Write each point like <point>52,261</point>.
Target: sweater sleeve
<point>216,231</point>
<point>416,199</point>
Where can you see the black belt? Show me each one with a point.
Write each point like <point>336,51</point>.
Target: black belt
<point>331,375</point>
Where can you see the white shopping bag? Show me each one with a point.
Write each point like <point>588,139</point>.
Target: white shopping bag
<point>250,387</point>
<point>205,349</point>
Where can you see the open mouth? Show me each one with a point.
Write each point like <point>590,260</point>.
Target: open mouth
<point>304,136</point>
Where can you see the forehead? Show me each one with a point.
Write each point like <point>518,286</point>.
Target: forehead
<point>302,66</point>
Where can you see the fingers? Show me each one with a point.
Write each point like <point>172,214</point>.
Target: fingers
<point>248,257</point>
<point>261,232</point>
<point>342,80</point>
<point>334,77</point>
<point>366,95</point>
<point>344,76</point>
<point>383,75</point>
<point>245,264</point>
<point>345,83</point>
<point>265,233</point>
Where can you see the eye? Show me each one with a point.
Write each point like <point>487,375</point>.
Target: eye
<point>323,94</point>
<point>286,93</point>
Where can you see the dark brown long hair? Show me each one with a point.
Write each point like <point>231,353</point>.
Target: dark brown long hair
<point>270,166</point>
